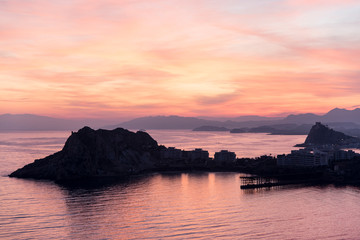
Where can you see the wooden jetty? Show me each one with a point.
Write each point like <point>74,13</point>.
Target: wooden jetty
<point>253,182</point>
<point>258,182</point>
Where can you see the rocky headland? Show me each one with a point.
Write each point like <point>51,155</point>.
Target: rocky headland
<point>321,135</point>
<point>92,153</point>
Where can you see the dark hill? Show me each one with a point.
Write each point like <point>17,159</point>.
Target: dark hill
<point>166,122</point>
<point>101,153</point>
<point>342,115</point>
<point>322,135</point>
<point>335,115</point>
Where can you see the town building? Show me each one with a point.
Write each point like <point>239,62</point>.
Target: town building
<point>171,153</point>
<point>343,155</point>
<point>198,154</point>
<point>303,158</point>
<point>225,156</point>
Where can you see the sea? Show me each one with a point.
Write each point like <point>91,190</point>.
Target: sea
<point>172,205</point>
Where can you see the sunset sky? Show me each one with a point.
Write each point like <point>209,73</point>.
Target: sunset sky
<point>117,58</point>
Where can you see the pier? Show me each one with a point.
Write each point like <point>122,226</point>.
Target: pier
<point>258,182</point>
<point>263,182</point>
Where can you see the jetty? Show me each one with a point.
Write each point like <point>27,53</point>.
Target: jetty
<point>253,182</point>
<point>257,182</point>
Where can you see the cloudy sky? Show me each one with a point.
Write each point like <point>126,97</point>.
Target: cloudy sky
<point>117,58</point>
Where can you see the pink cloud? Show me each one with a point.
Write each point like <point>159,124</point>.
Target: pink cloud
<point>177,57</point>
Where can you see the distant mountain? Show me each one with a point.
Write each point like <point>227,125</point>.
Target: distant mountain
<point>346,120</point>
<point>342,115</point>
<point>239,130</point>
<point>247,118</point>
<point>302,118</point>
<point>277,129</point>
<point>254,118</point>
<point>177,122</point>
<point>30,122</point>
<point>167,122</point>
<point>211,129</point>
<point>335,115</point>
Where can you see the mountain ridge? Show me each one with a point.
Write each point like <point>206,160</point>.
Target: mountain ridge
<point>26,122</point>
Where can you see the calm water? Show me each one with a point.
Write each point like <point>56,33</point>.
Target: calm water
<point>170,206</point>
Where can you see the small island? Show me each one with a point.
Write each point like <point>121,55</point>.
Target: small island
<point>211,129</point>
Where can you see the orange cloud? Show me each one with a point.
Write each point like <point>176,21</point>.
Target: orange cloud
<point>115,58</point>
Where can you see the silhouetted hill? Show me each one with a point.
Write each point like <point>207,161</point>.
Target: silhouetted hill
<point>302,129</point>
<point>348,120</point>
<point>178,122</point>
<point>166,122</point>
<point>101,153</point>
<point>323,135</point>
<point>335,115</point>
<point>211,129</point>
<point>343,118</point>
<point>302,118</point>
<point>246,118</point>
<point>277,129</point>
<point>342,115</point>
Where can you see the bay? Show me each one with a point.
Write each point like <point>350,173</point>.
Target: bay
<point>196,205</point>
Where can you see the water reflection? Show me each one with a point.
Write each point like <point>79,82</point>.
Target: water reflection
<point>177,206</point>
<point>141,207</point>
<point>170,206</point>
<point>104,208</point>
<point>202,205</point>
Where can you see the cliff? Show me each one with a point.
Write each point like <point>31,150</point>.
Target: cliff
<point>101,153</point>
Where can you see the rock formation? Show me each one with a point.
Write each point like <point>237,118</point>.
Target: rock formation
<point>322,135</point>
<point>101,153</point>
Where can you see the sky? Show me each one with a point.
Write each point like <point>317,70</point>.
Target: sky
<point>131,58</point>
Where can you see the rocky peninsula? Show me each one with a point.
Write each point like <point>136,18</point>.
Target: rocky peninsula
<point>95,153</point>
<point>321,135</point>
